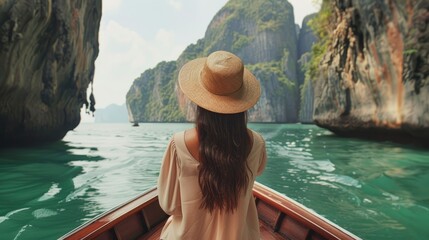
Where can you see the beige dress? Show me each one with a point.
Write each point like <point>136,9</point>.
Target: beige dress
<point>180,196</point>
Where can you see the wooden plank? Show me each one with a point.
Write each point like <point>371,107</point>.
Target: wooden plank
<point>153,214</point>
<point>155,233</point>
<point>267,213</point>
<point>267,233</point>
<point>131,227</point>
<point>292,229</point>
<point>107,235</point>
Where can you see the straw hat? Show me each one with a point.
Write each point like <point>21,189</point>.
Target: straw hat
<point>219,83</point>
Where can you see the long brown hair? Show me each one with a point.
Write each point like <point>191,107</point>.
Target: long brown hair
<point>224,144</point>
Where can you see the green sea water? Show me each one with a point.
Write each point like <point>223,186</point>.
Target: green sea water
<point>376,190</point>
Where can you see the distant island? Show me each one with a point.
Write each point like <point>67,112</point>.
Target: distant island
<point>112,114</point>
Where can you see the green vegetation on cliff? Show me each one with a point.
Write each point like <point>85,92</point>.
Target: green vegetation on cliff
<point>240,41</point>
<point>153,98</point>
<point>320,26</point>
<point>266,70</point>
<point>237,23</point>
<point>269,15</point>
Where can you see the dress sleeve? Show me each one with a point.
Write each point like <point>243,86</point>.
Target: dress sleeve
<point>168,181</point>
<point>263,159</point>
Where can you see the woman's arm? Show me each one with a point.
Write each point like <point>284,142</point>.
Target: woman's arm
<point>168,181</point>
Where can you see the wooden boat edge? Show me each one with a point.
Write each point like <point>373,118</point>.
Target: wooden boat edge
<point>281,208</point>
<point>113,216</point>
<point>301,213</point>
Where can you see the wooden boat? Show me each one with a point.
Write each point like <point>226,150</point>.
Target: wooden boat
<point>280,218</point>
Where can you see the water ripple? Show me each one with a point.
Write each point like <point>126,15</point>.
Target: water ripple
<point>377,190</point>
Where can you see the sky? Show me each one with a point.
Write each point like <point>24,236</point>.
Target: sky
<point>135,35</point>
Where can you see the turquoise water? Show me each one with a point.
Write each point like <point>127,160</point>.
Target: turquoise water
<point>377,190</point>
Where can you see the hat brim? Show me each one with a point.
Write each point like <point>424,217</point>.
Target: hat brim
<point>239,101</point>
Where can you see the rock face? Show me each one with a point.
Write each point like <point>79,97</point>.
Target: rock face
<point>47,54</point>
<point>306,39</point>
<point>151,97</point>
<point>262,33</point>
<point>374,79</point>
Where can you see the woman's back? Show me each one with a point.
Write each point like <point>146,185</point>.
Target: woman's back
<point>180,195</point>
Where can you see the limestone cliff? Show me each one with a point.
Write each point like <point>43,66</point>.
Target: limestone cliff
<point>151,97</point>
<point>306,39</point>
<point>374,78</point>
<point>47,54</point>
<point>263,34</point>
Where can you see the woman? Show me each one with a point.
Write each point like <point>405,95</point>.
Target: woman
<point>208,172</point>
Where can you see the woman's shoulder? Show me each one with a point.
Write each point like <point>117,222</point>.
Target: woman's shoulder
<point>257,136</point>
<point>178,138</point>
<point>186,142</point>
